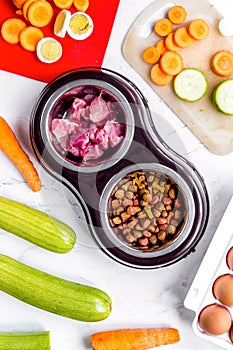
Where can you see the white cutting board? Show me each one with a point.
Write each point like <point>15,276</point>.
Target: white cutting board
<point>214,129</point>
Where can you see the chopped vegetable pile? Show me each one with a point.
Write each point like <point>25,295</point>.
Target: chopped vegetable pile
<point>93,127</point>
<point>163,56</point>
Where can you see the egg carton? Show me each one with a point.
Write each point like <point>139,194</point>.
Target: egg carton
<point>213,265</point>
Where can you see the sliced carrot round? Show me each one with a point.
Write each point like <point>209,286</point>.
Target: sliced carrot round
<point>25,8</point>
<point>170,44</point>
<point>163,27</point>
<point>159,77</point>
<point>151,55</point>
<point>19,12</point>
<point>171,63</point>
<point>177,14</point>
<point>182,37</point>
<point>161,46</point>
<point>19,3</point>
<point>63,4</point>
<point>11,29</point>
<point>81,5</point>
<point>40,13</point>
<point>222,63</point>
<point>29,37</point>
<point>198,29</point>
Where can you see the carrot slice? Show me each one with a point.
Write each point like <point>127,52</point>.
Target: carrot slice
<point>163,27</point>
<point>63,4</point>
<point>222,63</point>
<point>25,8</point>
<point>81,5</point>
<point>161,46</point>
<point>13,150</point>
<point>134,339</point>
<point>171,63</point>
<point>151,55</point>
<point>198,29</point>
<point>182,37</point>
<point>40,13</point>
<point>29,38</point>
<point>11,29</point>
<point>159,77</point>
<point>19,3</point>
<point>170,44</point>
<point>177,14</point>
<point>19,12</point>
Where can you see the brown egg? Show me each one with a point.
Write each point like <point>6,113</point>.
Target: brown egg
<point>215,319</point>
<point>223,289</point>
<point>229,258</point>
<point>231,334</point>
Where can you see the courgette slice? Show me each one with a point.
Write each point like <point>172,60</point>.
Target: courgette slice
<point>25,341</point>
<point>190,84</point>
<point>222,97</point>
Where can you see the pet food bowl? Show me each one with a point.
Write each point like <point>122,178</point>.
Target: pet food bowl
<point>133,147</point>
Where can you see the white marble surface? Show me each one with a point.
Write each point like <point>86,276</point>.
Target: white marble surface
<point>140,298</point>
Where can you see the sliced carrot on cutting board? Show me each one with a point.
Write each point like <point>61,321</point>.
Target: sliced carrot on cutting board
<point>161,46</point>
<point>40,13</point>
<point>163,27</point>
<point>177,14</point>
<point>11,29</point>
<point>29,38</point>
<point>198,29</point>
<point>151,55</point>
<point>171,63</point>
<point>63,4</point>
<point>159,77</point>
<point>170,44</point>
<point>182,37</point>
<point>222,63</point>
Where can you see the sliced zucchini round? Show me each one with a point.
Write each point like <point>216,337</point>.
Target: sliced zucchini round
<point>190,84</point>
<point>222,97</point>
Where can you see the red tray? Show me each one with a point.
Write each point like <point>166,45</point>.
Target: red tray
<point>76,54</point>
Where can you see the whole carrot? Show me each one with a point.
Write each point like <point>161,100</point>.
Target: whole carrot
<point>13,150</point>
<point>134,339</point>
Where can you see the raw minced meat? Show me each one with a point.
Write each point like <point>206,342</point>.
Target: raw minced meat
<point>92,126</point>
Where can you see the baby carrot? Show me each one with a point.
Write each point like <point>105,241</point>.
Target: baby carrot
<point>134,339</point>
<point>13,150</point>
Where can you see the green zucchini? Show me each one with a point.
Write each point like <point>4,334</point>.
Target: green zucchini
<point>222,97</point>
<point>35,226</point>
<point>52,293</point>
<point>190,84</point>
<point>25,341</point>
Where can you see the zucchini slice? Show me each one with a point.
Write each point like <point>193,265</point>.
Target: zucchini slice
<point>190,84</point>
<point>222,97</point>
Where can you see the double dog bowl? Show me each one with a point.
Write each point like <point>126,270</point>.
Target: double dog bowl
<point>139,151</point>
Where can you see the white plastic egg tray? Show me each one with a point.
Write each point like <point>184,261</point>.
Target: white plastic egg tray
<point>213,265</point>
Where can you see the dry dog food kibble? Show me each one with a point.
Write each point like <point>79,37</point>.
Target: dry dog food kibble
<point>147,210</point>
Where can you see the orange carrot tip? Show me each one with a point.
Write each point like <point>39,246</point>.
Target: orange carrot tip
<point>13,150</point>
<point>134,339</point>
